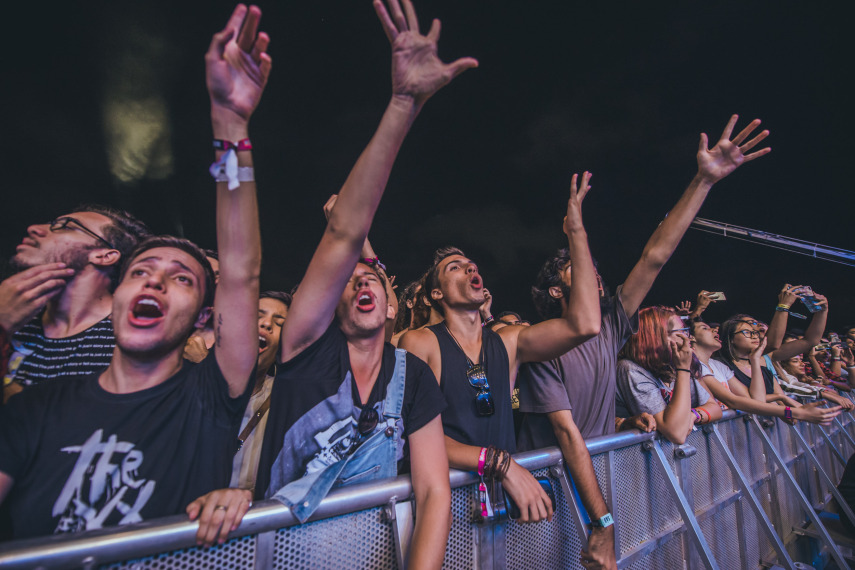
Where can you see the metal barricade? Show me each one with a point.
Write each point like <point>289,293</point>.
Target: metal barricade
<point>740,493</point>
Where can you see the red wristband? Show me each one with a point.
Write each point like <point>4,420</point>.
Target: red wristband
<point>243,144</point>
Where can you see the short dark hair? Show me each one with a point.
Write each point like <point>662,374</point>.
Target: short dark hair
<point>184,245</point>
<point>212,253</point>
<point>432,275</point>
<point>282,296</point>
<point>548,307</point>
<point>124,233</point>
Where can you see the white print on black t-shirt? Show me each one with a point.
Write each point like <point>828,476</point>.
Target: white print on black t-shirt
<point>334,442</point>
<point>103,481</point>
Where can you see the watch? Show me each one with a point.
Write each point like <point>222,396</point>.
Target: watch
<point>603,522</point>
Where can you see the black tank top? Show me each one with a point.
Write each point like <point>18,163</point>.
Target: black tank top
<point>460,420</point>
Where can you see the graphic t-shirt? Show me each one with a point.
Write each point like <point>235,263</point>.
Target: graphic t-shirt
<point>83,458</point>
<point>37,358</point>
<point>314,385</point>
<point>640,391</point>
<point>582,380</point>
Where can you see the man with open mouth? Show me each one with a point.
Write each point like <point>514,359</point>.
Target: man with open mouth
<point>477,368</point>
<point>151,433</point>
<point>346,406</point>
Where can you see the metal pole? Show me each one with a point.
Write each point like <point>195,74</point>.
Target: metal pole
<point>748,493</point>
<point>779,461</point>
<point>692,527</point>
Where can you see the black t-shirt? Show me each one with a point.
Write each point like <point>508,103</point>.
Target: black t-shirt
<point>83,458</point>
<point>311,380</point>
<point>768,378</point>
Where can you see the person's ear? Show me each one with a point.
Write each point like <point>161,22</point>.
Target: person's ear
<point>436,295</point>
<point>104,257</point>
<point>555,292</point>
<point>391,313</point>
<point>204,316</point>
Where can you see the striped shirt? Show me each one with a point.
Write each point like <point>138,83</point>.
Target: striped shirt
<point>37,358</point>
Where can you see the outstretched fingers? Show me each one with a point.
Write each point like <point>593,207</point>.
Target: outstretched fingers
<point>398,16</point>
<point>746,132</point>
<point>459,66</point>
<point>260,47</point>
<point>248,32</point>
<point>728,129</point>
<point>412,20</point>
<point>389,27</point>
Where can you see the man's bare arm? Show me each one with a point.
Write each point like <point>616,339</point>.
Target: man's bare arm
<point>417,73</point>
<point>552,338</point>
<point>713,165</point>
<point>601,543</point>
<point>237,67</point>
<point>429,468</point>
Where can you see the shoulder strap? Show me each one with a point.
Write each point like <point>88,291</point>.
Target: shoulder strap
<point>253,421</point>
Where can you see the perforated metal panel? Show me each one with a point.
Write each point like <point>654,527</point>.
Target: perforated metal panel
<point>669,556</point>
<point>235,553</point>
<point>545,544</point>
<point>644,504</point>
<point>460,550</point>
<point>358,540</point>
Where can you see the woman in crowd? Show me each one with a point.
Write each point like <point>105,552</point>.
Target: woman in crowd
<point>721,382</point>
<point>795,368</point>
<point>658,375</point>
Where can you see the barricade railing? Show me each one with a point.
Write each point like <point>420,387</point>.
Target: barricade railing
<point>740,493</point>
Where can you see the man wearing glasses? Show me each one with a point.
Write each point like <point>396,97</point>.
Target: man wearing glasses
<point>57,307</point>
<point>149,434</point>
<point>346,406</point>
<point>477,368</point>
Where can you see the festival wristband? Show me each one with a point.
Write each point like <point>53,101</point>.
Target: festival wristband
<point>373,261</point>
<point>697,415</point>
<point>481,458</point>
<point>788,413</point>
<point>242,144</point>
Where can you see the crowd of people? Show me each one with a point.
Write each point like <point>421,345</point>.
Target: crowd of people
<point>144,376</point>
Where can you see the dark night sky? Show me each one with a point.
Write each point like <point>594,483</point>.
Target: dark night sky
<point>621,89</point>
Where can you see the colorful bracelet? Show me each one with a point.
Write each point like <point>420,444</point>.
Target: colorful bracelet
<point>697,415</point>
<point>242,144</point>
<point>783,308</point>
<point>372,261</point>
<point>481,459</point>
<point>488,320</point>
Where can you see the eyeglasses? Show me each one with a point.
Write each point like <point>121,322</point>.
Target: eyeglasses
<point>749,334</point>
<point>63,222</point>
<point>477,377</point>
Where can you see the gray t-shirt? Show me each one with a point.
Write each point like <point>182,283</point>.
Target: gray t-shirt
<point>581,380</point>
<point>640,391</point>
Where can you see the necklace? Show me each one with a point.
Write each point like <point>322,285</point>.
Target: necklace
<point>469,362</point>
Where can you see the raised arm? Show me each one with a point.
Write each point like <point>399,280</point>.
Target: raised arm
<point>778,324</point>
<point>417,73</point>
<point>813,334</point>
<point>713,165</point>
<point>237,68</point>
<point>581,321</point>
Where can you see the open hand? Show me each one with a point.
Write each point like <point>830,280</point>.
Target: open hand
<point>573,219</point>
<point>727,155</point>
<point>417,71</point>
<point>684,308</point>
<point>237,64</point>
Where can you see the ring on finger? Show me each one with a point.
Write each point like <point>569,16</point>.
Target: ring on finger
<point>218,507</point>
